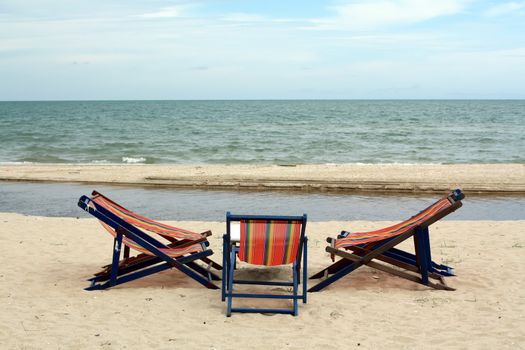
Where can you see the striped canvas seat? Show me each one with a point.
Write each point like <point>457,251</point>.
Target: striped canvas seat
<point>144,222</point>
<point>172,252</point>
<point>149,225</point>
<point>269,243</point>
<point>357,238</point>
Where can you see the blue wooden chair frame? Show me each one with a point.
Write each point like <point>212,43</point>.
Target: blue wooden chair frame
<point>419,263</point>
<point>230,252</point>
<point>159,261</point>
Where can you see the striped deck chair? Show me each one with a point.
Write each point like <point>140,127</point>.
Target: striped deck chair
<point>365,248</point>
<point>179,248</point>
<point>268,241</point>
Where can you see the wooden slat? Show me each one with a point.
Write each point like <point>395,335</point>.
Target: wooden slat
<point>388,269</point>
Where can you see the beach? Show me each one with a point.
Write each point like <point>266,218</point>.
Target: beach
<point>48,259</point>
<point>368,120</point>
<point>394,178</point>
<point>188,162</point>
<point>46,262</point>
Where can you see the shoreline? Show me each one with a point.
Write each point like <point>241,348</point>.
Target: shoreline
<point>485,179</point>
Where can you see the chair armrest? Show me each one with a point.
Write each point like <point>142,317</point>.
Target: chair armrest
<point>206,233</point>
<point>190,243</point>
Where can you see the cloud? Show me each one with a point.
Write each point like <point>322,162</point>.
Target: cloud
<point>357,49</point>
<point>505,8</point>
<point>199,68</point>
<point>376,14</point>
<point>243,17</point>
<point>166,12</point>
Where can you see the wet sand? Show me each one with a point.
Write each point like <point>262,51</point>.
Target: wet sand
<point>472,178</point>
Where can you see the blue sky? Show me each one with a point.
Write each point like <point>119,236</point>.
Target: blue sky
<point>100,49</point>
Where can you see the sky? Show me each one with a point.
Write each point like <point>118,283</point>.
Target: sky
<point>362,49</point>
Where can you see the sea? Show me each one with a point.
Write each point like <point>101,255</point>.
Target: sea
<point>258,132</point>
<point>263,132</point>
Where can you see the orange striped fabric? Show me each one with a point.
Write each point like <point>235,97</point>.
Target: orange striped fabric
<point>269,243</point>
<point>144,222</point>
<point>147,225</point>
<point>172,252</point>
<point>356,238</point>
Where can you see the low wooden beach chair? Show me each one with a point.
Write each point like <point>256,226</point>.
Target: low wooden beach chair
<point>182,250</point>
<point>367,248</point>
<point>267,241</point>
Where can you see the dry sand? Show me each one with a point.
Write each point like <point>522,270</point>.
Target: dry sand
<point>45,262</point>
<point>482,178</point>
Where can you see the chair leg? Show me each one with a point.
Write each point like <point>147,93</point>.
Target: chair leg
<point>305,272</point>
<point>224,267</point>
<point>426,237</point>
<point>117,245</point>
<point>330,270</point>
<point>230,283</point>
<point>422,253</point>
<point>126,252</point>
<point>295,287</point>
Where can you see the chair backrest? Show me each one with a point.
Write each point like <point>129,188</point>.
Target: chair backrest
<point>424,218</point>
<point>269,240</point>
<point>112,222</point>
<point>142,221</point>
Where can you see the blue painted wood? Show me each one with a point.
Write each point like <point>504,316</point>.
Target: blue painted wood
<point>114,221</point>
<point>422,254</point>
<point>230,282</point>
<point>265,296</point>
<point>154,269</point>
<point>117,246</point>
<point>232,217</point>
<point>225,244</point>
<point>334,277</point>
<point>305,270</point>
<point>263,283</point>
<point>148,243</point>
<point>263,311</point>
<point>295,306</point>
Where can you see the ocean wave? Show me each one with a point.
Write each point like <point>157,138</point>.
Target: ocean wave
<point>17,163</point>
<point>131,160</point>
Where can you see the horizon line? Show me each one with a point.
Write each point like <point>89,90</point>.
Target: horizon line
<point>271,99</point>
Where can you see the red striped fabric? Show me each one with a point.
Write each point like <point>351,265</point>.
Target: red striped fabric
<point>172,252</point>
<point>356,238</point>
<point>269,243</point>
<point>144,222</point>
<point>150,226</point>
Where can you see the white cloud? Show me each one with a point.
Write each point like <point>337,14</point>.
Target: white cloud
<point>381,13</point>
<point>135,52</point>
<point>166,12</point>
<point>243,17</point>
<point>505,8</point>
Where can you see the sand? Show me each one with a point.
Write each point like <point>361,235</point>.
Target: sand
<point>472,178</point>
<point>45,262</point>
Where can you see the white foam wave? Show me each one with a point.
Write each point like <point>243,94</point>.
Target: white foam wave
<point>131,160</point>
<point>17,163</point>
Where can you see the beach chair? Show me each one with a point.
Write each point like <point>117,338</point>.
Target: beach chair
<point>376,249</point>
<point>267,241</point>
<point>179,248</point>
